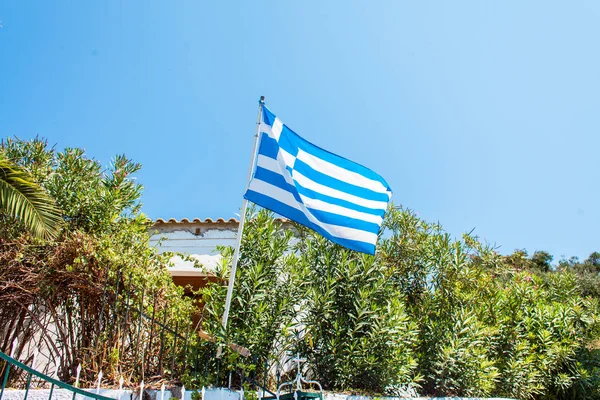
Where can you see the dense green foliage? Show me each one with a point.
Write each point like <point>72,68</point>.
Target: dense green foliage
<point>428,312</point>
<point>353,326</point>
<point>74,296</point>
<point>444,316</point>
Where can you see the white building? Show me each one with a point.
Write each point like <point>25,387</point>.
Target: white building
<point>199,240</point>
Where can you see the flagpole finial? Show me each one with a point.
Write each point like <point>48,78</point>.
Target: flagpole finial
<point>262,99</point>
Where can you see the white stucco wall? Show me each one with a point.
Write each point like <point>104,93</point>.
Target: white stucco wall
<point>63,394</point>
<point>209,394</point>
<point>198,240</point>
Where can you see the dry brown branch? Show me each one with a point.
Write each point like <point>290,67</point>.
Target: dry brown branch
<point>85,312</point>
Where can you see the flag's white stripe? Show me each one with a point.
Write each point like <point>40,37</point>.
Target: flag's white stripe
<point>286,197</point>
<point>274,166</point>
<point>340,173</point>
<point>265,128</point>
<point>339,210</point>
<point>344,232</point>
<point>286,158</point>
<point>338,194</point>
<point>276,129</point>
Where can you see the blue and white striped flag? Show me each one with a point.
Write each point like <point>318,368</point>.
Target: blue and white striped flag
<point>338,198</point>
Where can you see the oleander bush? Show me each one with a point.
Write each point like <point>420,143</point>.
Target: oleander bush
<point>428,313</point>
<point>440,315</point>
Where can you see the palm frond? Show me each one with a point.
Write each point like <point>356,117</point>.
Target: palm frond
<point>22,198</point>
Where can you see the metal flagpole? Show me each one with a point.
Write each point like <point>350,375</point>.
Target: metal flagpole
<point>236,253</point>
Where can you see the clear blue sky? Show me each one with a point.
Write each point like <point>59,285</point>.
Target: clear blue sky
<point>479,114</point>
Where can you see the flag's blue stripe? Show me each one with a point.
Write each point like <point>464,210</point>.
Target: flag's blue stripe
<point>278,207</point>
<point>336,184</point>
<point>268,116</point>
<point>287,141</point>
<point>339,202</point>
<point>268,146</point>
<point>363,247</point>
<point>336,219</point>
<point>298,216</point>
<point>276,179</point>
<point>291,142</point>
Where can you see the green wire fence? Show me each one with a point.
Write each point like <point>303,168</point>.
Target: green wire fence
<point>11,363</point>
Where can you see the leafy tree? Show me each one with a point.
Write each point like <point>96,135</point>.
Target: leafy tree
<point>79,297</point>
<point>594,260</point>
<point>453,349</point>
<point>353,326</point>
<point>451,317</point>
<point>264,300</point>
<point>518,259</point>
<point>587,274</point>
<point>541,261</point>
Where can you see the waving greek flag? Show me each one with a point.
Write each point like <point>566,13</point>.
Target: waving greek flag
<point>339,199</point>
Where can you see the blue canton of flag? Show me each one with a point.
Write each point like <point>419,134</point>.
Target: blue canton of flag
<point>339,199</point>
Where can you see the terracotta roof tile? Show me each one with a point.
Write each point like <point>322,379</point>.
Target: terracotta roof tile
<point>160,221</point>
